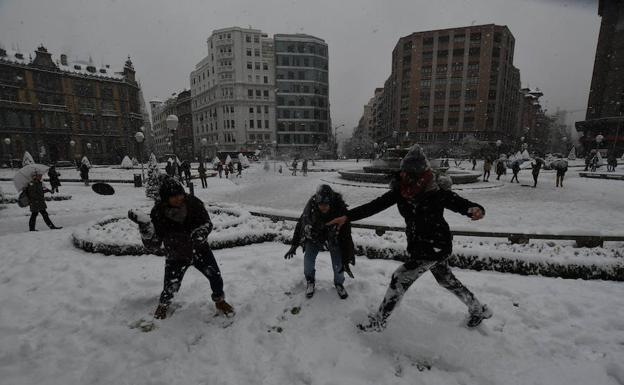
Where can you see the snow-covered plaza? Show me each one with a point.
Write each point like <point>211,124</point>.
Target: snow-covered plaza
<point>70,317</point>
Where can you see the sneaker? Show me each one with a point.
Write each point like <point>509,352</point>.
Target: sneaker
<point>342,293</point>
<point>373,325</point>
<point>224,308</point>
<point>309,290</point>
<point>475,317</point>
<point>161,311</point>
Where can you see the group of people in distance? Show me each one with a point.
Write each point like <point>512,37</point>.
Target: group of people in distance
<point>182,224</point>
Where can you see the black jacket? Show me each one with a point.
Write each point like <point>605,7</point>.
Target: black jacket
<point>54,177</point>
<point>178,238</point>
<point>311,227</point>
<point>35,192</point>
<point>428,234</point>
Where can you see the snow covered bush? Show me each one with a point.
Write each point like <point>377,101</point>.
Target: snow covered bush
<point>153,181</point>
<point>126,162</point>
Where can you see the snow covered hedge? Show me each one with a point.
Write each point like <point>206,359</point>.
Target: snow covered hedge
<point>13,198</point>
<point>234,227</point>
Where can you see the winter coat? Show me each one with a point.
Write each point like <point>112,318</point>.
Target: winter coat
<point>500,167</point>
<point>428,233</point>
<point>515,167</point>
<point>178,238</point>
<point>487,165</point>
<point>536,167</point>
<point>54,177</point>
<point>202,171</point>
<point>169,169</point>
<point>311,227</point>
<point>304,165</point>
<point>35,191</point>
<point>84,171</point>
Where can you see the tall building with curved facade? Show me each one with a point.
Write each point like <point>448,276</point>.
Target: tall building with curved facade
<point>302,86</point>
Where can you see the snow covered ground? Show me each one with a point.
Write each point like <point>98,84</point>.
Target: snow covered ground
<point>66,315</point>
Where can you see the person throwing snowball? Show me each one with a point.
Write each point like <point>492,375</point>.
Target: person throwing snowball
<point>421,201</point>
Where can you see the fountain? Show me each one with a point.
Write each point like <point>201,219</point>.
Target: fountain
<point>382,169</point>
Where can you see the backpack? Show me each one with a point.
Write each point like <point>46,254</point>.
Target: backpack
<point>22,199</point>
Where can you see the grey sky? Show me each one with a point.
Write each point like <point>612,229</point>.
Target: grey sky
<point>555,40</point>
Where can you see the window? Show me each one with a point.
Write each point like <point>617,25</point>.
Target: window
<point>427,55</point>
<point>250,93</point>
<point>443,39</point>
<point>458,52</point>
<point>232,124</point>
<point>251,123</point>
<point>251,110</point>
<point>248,38</point>
<point>265,66</point>
<point>443,53</point>
<point>474,51</point>
<point>475,37</point>
<point>266,80</point>
<point>258,93</point>
<point>428,42</point>
<point>259,123</point>
<point>258,66</point>
<point>265,93</point>
<point>256,52</point>
<point>266,124</point>
<point>266,109</point>
<point>248,52</point>
<point>249,65</point>
<point>459,38</point>
<point>256,39</point>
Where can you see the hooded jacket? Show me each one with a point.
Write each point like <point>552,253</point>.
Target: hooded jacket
<point>428,233</point>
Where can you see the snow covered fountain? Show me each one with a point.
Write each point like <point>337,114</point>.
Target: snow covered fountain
<point>382,169</point>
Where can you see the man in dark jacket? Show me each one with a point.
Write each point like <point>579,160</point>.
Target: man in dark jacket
<point>515,168</point>
<point>202,174</point>
<point>54,178</point>
<point>35,192</point>
<point>536,166</point>
<point>181,223</point>
<point>239,170</point>
<point>429,242</point>
<point>312,234</point>
<point>84,173</point>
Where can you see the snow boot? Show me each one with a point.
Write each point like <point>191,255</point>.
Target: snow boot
<point>161,311</point>
<point>475,317</point>
<point>224,307</point>
<point>342,293</point>
<point>374,324</point>
<point>309,290</point>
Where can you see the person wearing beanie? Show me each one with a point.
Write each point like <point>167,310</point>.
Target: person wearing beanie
<point>312,235</point>
<point>181,224</point>
<point>429,242</point>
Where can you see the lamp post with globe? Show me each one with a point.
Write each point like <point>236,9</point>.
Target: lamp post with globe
<point>72,146</point>
<point>89,149</point>
<point>140,137</point>
<point>7,142</point>
<point>204,145</point>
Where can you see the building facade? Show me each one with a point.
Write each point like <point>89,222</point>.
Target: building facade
<point>301,79</point>
<point>47,105</point>
<point>605,108</point>
<point>448,84</point>
<point>233,92</point>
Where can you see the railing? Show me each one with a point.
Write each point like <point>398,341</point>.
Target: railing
<point>519,238</point>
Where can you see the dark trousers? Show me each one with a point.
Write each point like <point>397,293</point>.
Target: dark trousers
<point>559,181</point>
<point>410,271</point>
<point>515,176</point>
<point>175,270</point>
<point>33,219</point>
<point>535,179</point>
<point>486,175</point>
<point>204,182</point>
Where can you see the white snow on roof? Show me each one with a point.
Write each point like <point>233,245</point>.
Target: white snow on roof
<point>12,56</point>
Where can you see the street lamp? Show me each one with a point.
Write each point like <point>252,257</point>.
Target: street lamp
<point>140,137</point>
<point>72,146</point>
<point>204,144</point>
<point>7,141</point>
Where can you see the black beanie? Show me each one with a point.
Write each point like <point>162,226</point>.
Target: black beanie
<point>324,194</point>
<point>170,187</point>
<point>415,161</point>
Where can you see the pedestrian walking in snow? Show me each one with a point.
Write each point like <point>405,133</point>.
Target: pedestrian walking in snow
<point>304,167</point>
<point>294,167</point>
<point>35,192</point>
<point>536,166</point>
<point>474,163</point>
<point>515,168</point>
<point>487,167</point>
<point>186,168</point>
<point>226,168</point>
<point>181,223</point>
<point>279,169</point>
<point>84,173</point>
<point>239,169</point>
<point>169,169</point>
<point>202,174</point>
<point>561,168</point>
<point>611,162</point>
<point>230,167</point>
<point>429,242</point>
<point>53,175</point>
<point>220,168</point>
<point>500,168</point>
<point>313,235</point>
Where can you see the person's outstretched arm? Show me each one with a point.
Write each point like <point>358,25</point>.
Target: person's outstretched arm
<point>366,210</point>
<point>463,206</point>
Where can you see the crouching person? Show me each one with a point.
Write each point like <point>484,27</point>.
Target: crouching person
<point>421,200</point>
<point>181,223</point>
<point>312,234</point>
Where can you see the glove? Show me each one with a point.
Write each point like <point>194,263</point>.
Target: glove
<point>138,217</point>
<point>291,253</point>
<point>200,235</point>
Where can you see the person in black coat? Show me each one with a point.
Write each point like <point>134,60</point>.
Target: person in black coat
<point>84,173</point>
<point>312,235</point>
<point>429,242</point>
<point>181,223</point>
<point>54,179</point>
<point>536,166</point>
<point>202,174</point>
<point>35,192</point>
<point>515,168</point>
<point>239,170</point>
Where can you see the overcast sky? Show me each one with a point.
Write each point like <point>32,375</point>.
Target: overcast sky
<point>555,39</point>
